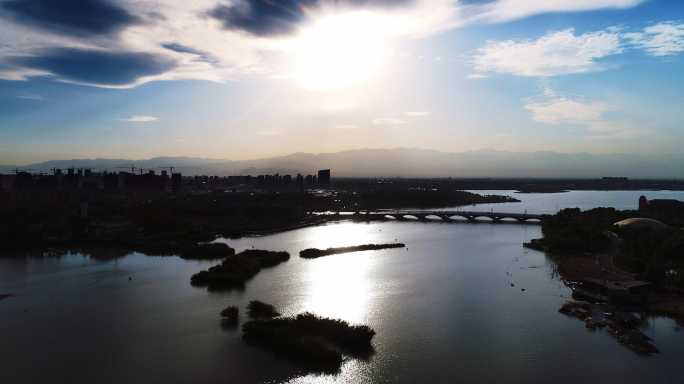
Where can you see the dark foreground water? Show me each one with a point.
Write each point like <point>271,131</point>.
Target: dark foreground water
<point>444,311</point>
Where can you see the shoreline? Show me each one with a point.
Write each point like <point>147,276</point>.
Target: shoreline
<point>572,267</point>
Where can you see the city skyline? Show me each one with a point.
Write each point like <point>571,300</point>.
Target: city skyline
<point>246,80</point>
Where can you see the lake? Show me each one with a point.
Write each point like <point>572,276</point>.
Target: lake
<point>450,308</point>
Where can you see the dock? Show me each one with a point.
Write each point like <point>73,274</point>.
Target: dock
<point>623,324</point>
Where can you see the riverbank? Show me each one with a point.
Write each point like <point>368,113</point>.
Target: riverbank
<point>574,266</point>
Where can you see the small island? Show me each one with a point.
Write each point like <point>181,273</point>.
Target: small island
<point>312,253</point>
<point>235,270</point>
<point>258,308</point>
<point>310,341</point>
<point>230,314</point>
<point>3,296</point>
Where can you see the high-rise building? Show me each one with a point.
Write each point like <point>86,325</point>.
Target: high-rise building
<point>176,179</point>
<point>324,178</point>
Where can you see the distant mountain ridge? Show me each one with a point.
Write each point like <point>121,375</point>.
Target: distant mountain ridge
<point>405,162</point>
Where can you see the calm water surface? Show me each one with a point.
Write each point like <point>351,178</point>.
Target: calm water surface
<point>444,310</point>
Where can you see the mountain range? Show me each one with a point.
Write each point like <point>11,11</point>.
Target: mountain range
<point>404,162</point>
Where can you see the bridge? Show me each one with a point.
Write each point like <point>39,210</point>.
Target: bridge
<point>446,215</point>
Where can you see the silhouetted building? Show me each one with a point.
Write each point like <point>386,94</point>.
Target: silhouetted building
<point>324,178</point>
<point>300,181</point>
<point>22,181</point>
<point>176,180</point>
<point>661,205</point>
<point>110,180</point>
<point>110,226</point>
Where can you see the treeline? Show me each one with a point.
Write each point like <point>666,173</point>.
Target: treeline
<point>577,231</point>
<point>235,270</point>
<point>388,197</point>
<point>185,249</point>
<point>657,255</point>
<point>312,253</point>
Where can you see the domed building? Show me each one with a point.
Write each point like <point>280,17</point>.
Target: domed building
<point>642,223</point>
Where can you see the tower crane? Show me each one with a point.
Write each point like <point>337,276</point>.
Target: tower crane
<point>133,168</point>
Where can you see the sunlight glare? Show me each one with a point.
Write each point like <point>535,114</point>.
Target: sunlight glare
<point>340,51</point>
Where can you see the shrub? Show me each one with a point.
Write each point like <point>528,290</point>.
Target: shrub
<point>258,308</point>
<point>231,313</point>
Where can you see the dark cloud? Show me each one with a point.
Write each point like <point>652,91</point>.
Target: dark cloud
<point>74,17</point>
<point>96,67</point>
<point>281,17</point>
<point>263,17</point>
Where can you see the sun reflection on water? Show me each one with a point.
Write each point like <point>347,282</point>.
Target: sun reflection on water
<point>339,286</point>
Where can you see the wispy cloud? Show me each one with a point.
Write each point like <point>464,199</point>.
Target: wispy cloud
<point>500,11</point>
<point>476,76</point>
<point>346,126</point>
<point>416,113</point>
<point>31,97</point>
<point>662,39</point>
<point>556,53</point>
<point>557,109</point>
<point>141,118</point>
<point>562,110</point>
<point>387,121</point>
<point>618,130</point>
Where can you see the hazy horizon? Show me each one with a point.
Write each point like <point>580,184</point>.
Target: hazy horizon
<point>404,162</point>
<point>247,79</point>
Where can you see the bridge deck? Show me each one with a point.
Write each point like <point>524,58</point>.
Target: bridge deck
<point>446,215</point>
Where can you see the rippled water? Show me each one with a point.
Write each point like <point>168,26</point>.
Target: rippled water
<point>444,310</point>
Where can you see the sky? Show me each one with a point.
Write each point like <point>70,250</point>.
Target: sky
<point>247,79</point>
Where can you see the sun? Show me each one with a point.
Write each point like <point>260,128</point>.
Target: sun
<point>339,51</point>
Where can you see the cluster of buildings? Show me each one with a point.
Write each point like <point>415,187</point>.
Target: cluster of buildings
<point>276,181</point>
<point>76,185</point>
<point>84,184</point>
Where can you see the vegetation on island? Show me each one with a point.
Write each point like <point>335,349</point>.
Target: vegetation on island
<point>310,341</point>
<point>231,313</point>
<point>3,296</point>
<point>312,253</point>
<point>235,270</point>
<point>258,308</point>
